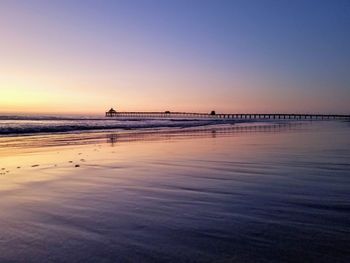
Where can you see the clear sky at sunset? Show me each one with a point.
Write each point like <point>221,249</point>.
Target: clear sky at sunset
<point>232,56</point>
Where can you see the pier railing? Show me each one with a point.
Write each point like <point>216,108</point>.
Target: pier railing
<point>250,116</point>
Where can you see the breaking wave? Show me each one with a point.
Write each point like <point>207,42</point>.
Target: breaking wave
<point>22,125</point>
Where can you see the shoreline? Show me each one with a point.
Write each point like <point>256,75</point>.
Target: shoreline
<point>97,136</point>
<point>155,192</point>
<point>13,128</point>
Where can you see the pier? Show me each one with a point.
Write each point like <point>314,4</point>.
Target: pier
<point>211,115</point>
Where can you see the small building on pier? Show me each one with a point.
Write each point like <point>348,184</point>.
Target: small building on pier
<point>111,113</point>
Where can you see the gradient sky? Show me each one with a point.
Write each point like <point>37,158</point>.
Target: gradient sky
<point>232,56</point>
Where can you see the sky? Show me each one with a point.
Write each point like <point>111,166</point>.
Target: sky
<point>70,56</point>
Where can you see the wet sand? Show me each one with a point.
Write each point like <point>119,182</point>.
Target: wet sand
<point>275,193</point>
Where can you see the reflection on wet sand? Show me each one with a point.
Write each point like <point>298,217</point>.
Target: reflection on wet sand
<point>215,194</point>
<point>76,150</point>
<point>205,132</point>
<point>72,139</point>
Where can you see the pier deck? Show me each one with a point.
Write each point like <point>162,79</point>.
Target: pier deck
<point>251,116</point>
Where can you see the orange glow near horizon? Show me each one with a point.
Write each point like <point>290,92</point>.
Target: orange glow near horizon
<point>92,61</point>
<point>52,94</point>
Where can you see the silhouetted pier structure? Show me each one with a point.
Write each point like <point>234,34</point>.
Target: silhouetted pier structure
<point>247,116</point>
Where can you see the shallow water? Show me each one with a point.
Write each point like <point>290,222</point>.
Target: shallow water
<point>277,193</point>
<point>38,124</point>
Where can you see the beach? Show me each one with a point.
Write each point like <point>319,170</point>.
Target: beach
<point>174,131</point>
<point>240,193</point>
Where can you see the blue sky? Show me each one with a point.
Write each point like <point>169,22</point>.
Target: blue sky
<point>232,56</point>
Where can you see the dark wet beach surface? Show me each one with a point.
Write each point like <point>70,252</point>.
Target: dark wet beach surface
<point>260,195</point>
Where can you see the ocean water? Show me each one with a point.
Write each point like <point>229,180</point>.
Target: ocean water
<point>239,193</point>
<point>35,124</point>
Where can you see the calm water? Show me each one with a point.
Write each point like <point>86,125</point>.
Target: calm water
<point>278,193</point>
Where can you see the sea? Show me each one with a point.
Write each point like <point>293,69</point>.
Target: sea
<point>38,124</point>
<point>173,190</point>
